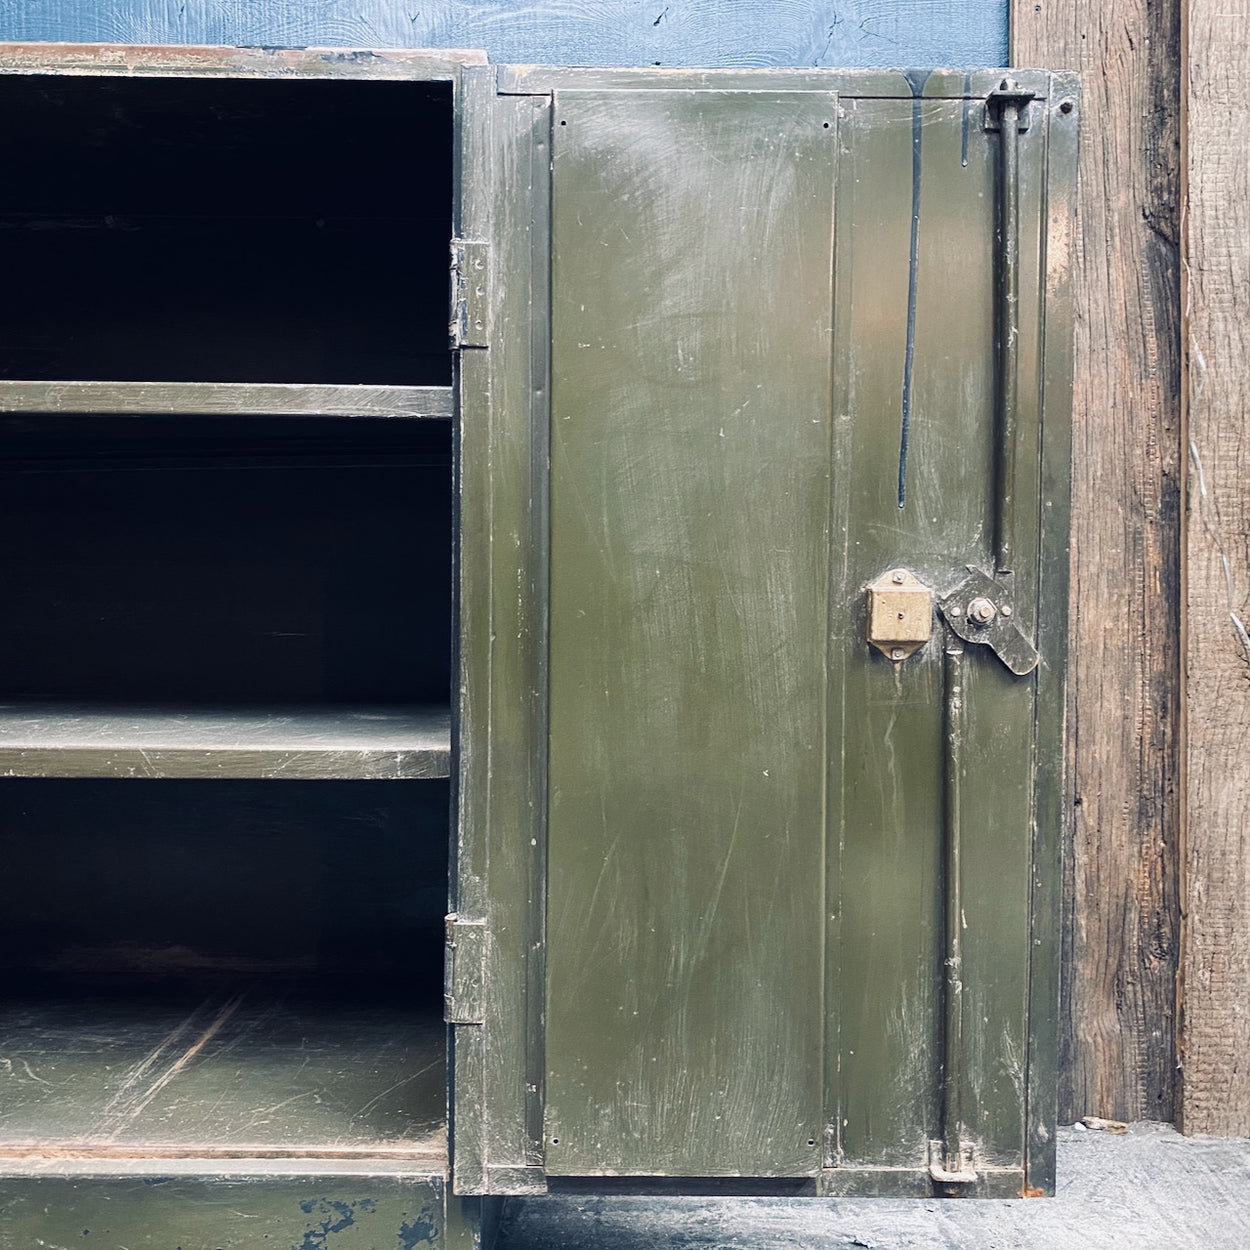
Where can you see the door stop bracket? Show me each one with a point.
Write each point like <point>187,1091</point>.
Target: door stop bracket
<point>942,1170</point>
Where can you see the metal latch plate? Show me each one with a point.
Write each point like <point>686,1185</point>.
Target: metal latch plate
<point>900,614</point>
<point>979,609</point>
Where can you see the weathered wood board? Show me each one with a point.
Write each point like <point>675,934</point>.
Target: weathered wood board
<point>1123,916</point>
<point>1216,968</point>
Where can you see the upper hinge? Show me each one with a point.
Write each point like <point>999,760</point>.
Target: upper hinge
<point>470,293</point>
<point>464,971</point>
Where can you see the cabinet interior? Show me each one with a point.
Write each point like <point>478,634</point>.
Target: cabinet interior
<point>228,617</point>
<point>225,230</point>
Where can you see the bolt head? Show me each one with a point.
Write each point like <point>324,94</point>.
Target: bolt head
<point>897,577</point>
<point>982,611</point>
<point>1006,609</point>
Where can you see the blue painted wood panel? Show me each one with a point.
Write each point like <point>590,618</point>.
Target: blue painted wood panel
<point>563,32</point>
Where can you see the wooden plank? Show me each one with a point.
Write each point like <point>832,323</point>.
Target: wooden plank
<point>1216,970</point>
<point>119,54</point>
<point>225,399</point>
<point>607,32</point>
<point>1122,915</point>
<point>378,743</point>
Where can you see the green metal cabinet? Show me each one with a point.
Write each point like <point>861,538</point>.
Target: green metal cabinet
<point>746,899</point>
<point>732,527</point>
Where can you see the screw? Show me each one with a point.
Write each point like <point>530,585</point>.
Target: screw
<point>898,654</point>
<point>897,577</point>
<point>982,611</point>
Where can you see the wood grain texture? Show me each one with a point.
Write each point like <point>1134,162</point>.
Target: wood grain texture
<point>569,32</point>
<point>1122,915</point>
<point>1216,968</point>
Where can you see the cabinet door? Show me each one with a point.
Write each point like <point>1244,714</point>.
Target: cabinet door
<point>745,362</point>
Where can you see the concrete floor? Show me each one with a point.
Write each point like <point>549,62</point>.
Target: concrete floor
<point>1150,1189</point>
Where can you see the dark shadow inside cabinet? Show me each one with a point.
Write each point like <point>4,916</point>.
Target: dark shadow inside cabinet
<point>225,230</point>
<point>192,967</point>
<point>227,619</point>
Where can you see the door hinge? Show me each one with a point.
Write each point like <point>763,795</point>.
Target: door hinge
<point>470,293</point>
<point>464,971</point>
<point>979,609</point>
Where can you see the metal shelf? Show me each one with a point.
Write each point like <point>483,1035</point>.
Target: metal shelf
<point>225,399</point>
<point>350,743</point>
<point>257,1076</point>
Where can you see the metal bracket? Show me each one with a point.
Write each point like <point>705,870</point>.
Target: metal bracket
<point>900,614</point>
<point>1006,97</point>
<point>470,293</point>
<point>940,1169</point>
<point>464,971</point>
<point>979,609</point>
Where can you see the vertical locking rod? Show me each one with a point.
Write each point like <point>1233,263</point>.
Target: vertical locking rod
<point>1005,112</point>
<point>952,1166</point>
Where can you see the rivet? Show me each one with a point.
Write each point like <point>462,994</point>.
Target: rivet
<point>898,654</point>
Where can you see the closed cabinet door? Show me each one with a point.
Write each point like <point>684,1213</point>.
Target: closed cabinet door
<point>764,462</point>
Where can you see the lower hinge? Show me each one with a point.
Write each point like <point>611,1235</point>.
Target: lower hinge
<point>956,1170</point>
<point>464,971</point>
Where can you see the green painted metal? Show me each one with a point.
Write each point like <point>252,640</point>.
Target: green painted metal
<point>239,1207</point>
<point>690,478</point>
<point>709,939</point>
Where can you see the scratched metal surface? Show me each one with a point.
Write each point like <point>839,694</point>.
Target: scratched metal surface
<point>226,399</point>
<point>237,1074</point>
<point>912,316</point>
<point>608,32</point>
<point>56,740</point>
<point>886,761</point>
<point>692,239</point>
<point>237,1208</point>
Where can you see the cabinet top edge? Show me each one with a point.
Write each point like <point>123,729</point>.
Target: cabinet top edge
<point>435,64</point>
<point>939,83</point>
<point>188,61</point>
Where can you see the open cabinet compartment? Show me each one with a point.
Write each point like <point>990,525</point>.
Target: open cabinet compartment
<point>225,230</point>
<point>222,968</point>
<point>203,595</point>
<point>226,428</point>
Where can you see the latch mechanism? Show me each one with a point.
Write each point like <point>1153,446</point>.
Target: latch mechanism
<point>979,609</point>
<point>900,614</point>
